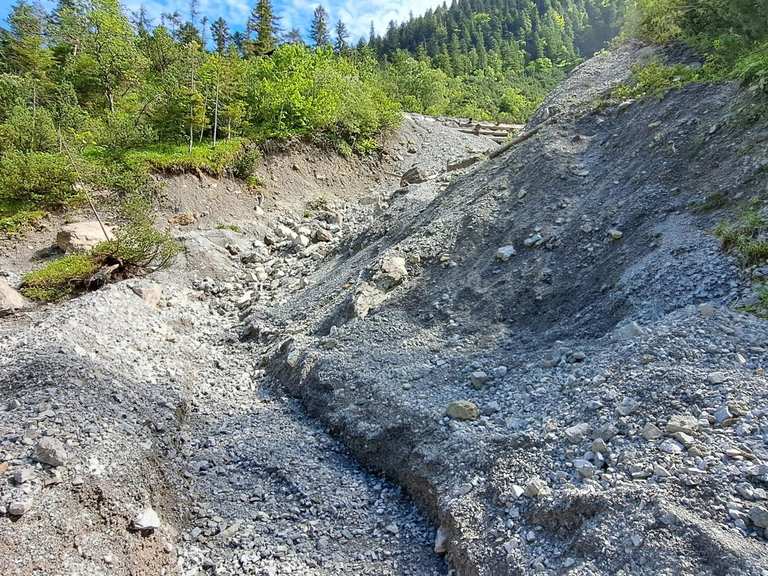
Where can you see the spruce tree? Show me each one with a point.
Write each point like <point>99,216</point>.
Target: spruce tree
<point>319,29</point>
<point>220,33</point>
<point>342,37</point>
<point>262,23</point>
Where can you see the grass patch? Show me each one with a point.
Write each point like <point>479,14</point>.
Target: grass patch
<point>656,79</point>
<point>16,217</point>
<point>231,227</point>
<point>61,279</point>
<point>176,158</point>
<point>714,201</point>
<point>748,238</point>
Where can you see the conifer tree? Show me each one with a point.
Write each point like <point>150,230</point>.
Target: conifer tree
<point>220,33</point>
<point>319,29</point>
<point>342,37</point>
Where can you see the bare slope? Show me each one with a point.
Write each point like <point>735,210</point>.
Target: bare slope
<point>614,384</point>
<point>152,401</point>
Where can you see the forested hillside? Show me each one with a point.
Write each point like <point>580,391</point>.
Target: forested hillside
<point>493,58</point>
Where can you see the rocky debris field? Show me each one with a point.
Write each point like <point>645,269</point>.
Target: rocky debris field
<point>542,353</point>
<point>547,354</point>
<point>141,434</point>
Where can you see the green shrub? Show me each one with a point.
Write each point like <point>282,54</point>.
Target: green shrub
<point>655,80</point>
<point>60,279</point>
<point>28,130</point>
<point>299,92</point>
<point>42,178</point>
<point>746,237</point>
<point>246,162</point>
<point>138,246</point>
<point>18,221</point>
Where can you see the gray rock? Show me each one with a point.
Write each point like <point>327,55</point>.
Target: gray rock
<point>478,379</point>
<point>505,253</point>
<point>19,507</point>
<point>759,516</point>
<point>50,451</point>
<point>10,300</point>
<point>577,433</point>
<point>463,410</point>
<point>651,432</point>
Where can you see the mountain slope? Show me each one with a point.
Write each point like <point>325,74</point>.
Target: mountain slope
<point>558,375</point>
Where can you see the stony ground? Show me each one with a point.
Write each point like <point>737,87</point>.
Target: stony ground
<point>543,351</point>
<point>141,435</point>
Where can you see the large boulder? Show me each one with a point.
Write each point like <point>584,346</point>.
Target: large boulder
<point>81,236</point>
<point>10,300</point>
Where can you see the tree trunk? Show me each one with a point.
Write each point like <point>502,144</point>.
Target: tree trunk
<point>216,114</point>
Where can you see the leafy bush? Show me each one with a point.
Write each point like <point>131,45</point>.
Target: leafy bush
<point>138,246</point>
<point>42,178</point>
<point>299,92</point>
<point>28,130</point>
<point>731,33</point>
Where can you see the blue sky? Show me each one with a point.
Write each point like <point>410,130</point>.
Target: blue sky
<point>295,13</point>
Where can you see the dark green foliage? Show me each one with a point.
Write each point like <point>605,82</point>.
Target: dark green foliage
<point>319,30</point>
<point>495,58</point>
<point>732,34</point>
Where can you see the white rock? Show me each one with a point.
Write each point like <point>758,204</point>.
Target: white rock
<point>505,253</point>
<point>10,300</point>
<point>82,236</point>
<point>147,519</point>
